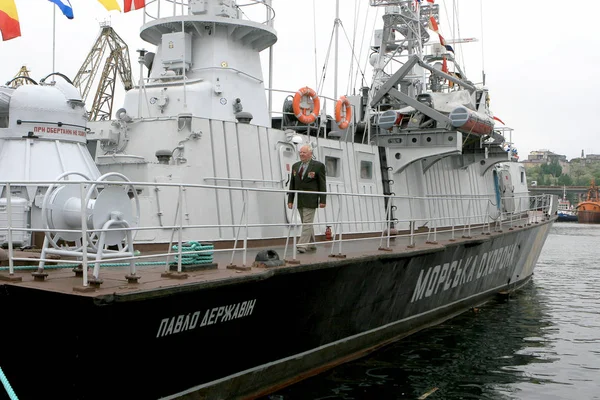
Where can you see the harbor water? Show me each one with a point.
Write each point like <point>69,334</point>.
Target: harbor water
<point>543,343</point>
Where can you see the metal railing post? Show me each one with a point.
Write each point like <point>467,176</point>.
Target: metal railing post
<point>386,223</point>
<point>435,223</point>
<point>467,223</point>
<point>340,225</point>
<point>292,221</point>
<point>180,229</point>
<point>453,221</point>
<point>243,218</point>
<point>11,267</point>
<point>336,225</point>
<point>84,241</point>
<point>389,222</point>
<point>245,194</point>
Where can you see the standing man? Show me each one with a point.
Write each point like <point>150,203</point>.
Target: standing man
<point>309,175</point>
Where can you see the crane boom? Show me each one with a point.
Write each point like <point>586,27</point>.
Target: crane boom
<point>117,62</point>
<point>21,78</point>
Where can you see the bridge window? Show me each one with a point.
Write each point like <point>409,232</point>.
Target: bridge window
<point>366,170</point>
<point>332,166</point>
<point>523,177</point>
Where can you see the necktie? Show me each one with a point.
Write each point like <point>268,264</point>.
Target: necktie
<point>301,172</point>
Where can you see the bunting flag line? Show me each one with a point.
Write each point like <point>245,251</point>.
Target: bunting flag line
<point>110,5</point>
<point>10,27</point>
<point>131,5</point>
<point>442,40</point>
<point>433,25</point>
<point>67,10</point>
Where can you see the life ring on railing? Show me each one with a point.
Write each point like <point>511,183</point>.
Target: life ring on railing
<point>343,104</point>
<point>302,109</point>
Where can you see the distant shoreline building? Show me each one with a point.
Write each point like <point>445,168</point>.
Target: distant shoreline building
<point>540,157</point>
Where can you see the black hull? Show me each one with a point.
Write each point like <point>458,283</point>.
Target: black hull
<point>243,337</point>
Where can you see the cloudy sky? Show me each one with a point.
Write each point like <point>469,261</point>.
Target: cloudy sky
<point>540,57</point>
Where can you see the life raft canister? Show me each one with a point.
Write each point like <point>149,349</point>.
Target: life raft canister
<point>343,121</point>
<point>305,110</point>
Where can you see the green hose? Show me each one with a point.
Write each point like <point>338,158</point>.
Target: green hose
<point>9,390</point>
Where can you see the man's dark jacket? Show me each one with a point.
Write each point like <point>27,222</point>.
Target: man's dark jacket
<point>314,181</point>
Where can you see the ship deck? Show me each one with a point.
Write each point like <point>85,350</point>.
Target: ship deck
<point>154,277</point>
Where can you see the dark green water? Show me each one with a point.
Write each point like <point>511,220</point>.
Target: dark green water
<point>544,343</point>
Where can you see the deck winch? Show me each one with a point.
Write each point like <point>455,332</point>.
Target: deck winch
<point>110,211</point>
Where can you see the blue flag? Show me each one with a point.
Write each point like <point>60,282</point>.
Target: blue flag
<point>66,9</point>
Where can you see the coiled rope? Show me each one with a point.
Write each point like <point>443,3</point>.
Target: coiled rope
<point>204,256</point>
<point>203,253</point>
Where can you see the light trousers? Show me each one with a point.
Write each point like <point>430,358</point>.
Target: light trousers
<point>307,216</point>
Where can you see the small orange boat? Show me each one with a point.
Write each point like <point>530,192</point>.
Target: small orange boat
<point>588,211</point>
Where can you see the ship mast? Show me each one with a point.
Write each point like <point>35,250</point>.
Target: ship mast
<point>268,3</point>
<point>410,21</point>
<point>337,27</point>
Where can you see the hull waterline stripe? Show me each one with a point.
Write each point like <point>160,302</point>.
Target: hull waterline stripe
<point>272,363</point>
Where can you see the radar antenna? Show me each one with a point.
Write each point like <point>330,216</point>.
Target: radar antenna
<point>117,60</point>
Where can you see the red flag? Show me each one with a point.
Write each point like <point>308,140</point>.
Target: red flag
<point>137,4</point>
<point>442,40</point>
<point>498,119</point>
<point>9,20</point>
<point>444,65</point>
<point>433,24</point>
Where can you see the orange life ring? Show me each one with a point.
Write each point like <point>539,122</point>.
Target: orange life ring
<point>343,104</point>
<point>303,111</point>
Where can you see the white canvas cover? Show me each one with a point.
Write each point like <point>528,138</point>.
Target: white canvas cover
<point>446,102</point>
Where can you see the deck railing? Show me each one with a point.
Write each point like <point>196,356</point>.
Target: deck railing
<point>90,248</point>
<point>252,10</point>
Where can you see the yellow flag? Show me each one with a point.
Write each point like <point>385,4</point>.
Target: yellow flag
<point>110,5</point>
<point>9,20</point>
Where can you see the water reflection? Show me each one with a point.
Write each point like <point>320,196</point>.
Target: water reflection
<point>542,344</point>
<point>475,355</point>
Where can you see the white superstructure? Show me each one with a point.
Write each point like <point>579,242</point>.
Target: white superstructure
<point>199,116</point>
<point>206,63</point>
